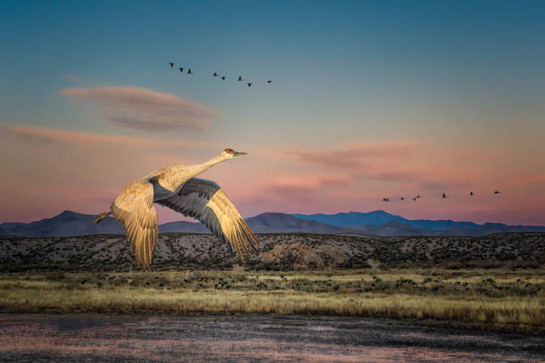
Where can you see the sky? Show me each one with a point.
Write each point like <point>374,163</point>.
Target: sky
<point>369,100</point>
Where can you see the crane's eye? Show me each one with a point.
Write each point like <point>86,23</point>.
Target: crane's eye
<point>230,151</point>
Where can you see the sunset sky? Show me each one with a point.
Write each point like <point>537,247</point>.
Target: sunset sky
<point>369,99</point>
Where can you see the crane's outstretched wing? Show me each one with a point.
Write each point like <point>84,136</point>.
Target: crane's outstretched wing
<point>204,200</point>
<point>134,209</point>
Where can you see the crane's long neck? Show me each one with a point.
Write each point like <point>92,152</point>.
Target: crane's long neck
<point>201,168</point>
<point>177,175</point>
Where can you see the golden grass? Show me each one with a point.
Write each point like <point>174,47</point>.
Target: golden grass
<point>477,303</point>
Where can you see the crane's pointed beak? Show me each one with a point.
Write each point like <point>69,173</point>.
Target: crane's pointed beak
<point>238,153</point>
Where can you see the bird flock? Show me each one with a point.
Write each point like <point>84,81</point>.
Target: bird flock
<point>444,196</point>
<point>187,70</point>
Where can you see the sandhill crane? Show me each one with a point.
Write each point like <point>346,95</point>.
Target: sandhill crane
<point>176,187</point>
<point>181,69</point>
<point>189,71</point>
<point>249,84</point>
<point>171,65</point>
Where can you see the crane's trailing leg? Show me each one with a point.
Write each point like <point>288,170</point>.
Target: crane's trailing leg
<point>101,216</point>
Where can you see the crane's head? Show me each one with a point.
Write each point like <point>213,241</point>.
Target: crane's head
<point>230,153</point>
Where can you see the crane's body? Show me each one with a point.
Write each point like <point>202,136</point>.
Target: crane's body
<point>176,187</point>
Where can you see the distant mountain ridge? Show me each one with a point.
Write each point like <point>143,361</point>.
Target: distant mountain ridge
<point>380,217</point>
<point>377,223</point>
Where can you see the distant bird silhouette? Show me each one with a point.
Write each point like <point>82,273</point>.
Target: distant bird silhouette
<point>497,192</point>
<point>269,81</point>
<point>181,69</point>
<point>471,194</point>
<point>444,196</point>
<point>415,198</point>
<point>171,65</point>
<point>385,199</point>
<point>223,78</point>
<point>240,78</point>
<point>215,74</point>
<point>249,84</point>
<point>418,196</point>
<point>402,198</point>
<point>189,71</point>
<point>177,188</point>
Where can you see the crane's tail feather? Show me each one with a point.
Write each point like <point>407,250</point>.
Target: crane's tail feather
<point>101,216</point>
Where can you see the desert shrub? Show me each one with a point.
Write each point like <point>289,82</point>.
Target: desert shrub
<point>297,256</point>
<point>55,275</point>
<point>288,256</point>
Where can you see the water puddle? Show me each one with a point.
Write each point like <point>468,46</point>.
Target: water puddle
<point>245,338</point>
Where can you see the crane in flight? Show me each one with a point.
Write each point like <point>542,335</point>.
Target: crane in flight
<point>176,187</point>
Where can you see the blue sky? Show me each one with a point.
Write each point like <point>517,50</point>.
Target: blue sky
<point>457,78</point>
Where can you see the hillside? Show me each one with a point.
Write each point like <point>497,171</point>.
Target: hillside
<point>174,250</point>
<point>377,223</point>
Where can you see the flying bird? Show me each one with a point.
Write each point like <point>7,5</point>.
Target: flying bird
<point>497,192</point>
<point>223,78</point>
<point>177,187</point>
<point>189,71</point>
<point>269,81</point>
<point>471,194</point>
<point>181,69</point>
<point>385,199</point>
<point>415,198</point>
<point>240,78</point>
<point>444,196</point>
<point>249,84</point>
<point>215,74</point>
<point>171,65</point>
<point>402,198</point>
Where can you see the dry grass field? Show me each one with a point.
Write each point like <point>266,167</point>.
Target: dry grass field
<point>494,282</point>
<point>489,299</point>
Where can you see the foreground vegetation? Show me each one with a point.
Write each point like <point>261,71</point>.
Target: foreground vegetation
<point>490,299</point>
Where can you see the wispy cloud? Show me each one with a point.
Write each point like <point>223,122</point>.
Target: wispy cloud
<point>53,135</point>
<point>427,165</point>
<point>354,156</point>
<point>142,108</point>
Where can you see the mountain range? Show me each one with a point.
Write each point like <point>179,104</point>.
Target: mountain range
<point>377,223</point>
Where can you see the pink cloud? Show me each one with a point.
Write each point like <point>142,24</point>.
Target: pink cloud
<point>46,134</point>
<point>415,163</point>
<point>354,156</point>
<point>142,108</point>
<point>47,170</point>
<point>526,180</point>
